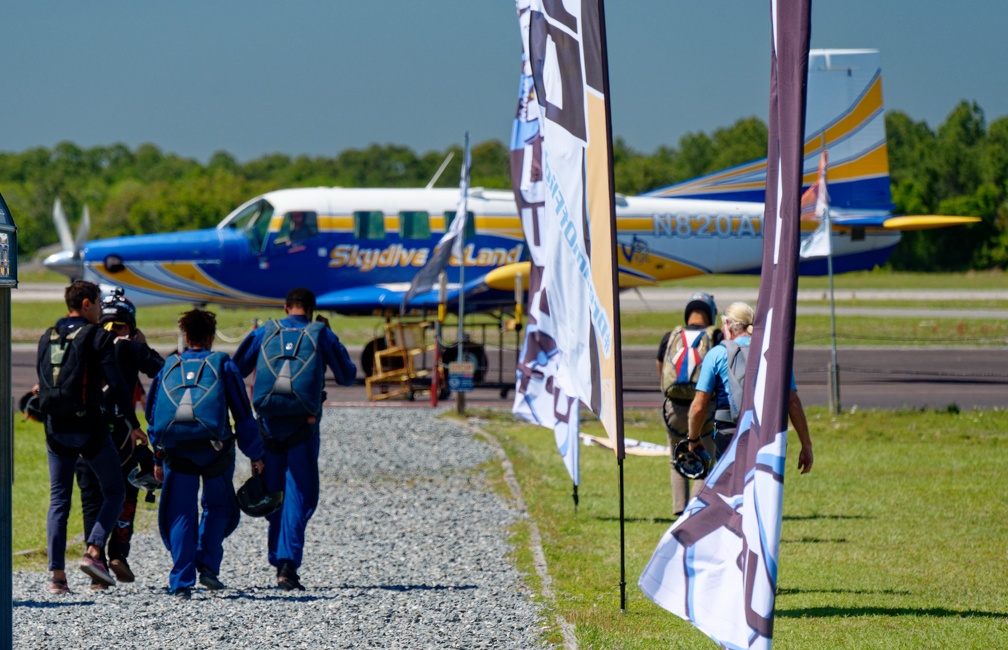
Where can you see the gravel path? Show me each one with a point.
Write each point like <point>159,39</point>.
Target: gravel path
<point>408,549</point>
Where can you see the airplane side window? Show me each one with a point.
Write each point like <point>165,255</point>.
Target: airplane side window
<point>369,225</point>
<point>470,226</point>
<point>254,222</point>
<point>414,225</point>
<point>297,227</point>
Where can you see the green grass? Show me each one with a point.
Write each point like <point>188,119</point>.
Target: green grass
<point>894,540</point>
<point>30,501</point>
<point>646,328</point>
<point>41,275</point>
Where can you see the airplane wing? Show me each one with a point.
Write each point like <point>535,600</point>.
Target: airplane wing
<point>363,299</point>
<point>900,222</point>
<point>479,296</point>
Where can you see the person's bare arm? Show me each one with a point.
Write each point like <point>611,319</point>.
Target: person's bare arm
<point>697,416</point>
<point>796,412</point>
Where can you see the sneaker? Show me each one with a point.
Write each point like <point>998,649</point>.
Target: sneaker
<point>97,570</point>
<point>184,593</point>
<point>120,567</point>
<point>210,581</point>
<point>59,587</point>
<point>287,577</point>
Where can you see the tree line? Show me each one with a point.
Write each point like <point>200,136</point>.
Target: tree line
<point>961,168</point>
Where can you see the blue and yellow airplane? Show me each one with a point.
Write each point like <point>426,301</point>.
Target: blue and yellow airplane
<point>358,249</point>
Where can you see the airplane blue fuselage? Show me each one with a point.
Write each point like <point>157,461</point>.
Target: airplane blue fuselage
<point>253,261</point>
<point>364,246</point>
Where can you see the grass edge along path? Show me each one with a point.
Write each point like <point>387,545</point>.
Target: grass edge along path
<point>894,540</point>
<point>533,542</point>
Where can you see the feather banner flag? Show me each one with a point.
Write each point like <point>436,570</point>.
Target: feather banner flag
<point>717,565</point>
<point>449,244</point>
<point>538,397</point>
<point>567,59</point>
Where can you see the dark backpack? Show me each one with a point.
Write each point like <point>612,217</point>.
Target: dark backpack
<point>737,358</point>
<point>191,400</point>
<point>289,372</point>
<point>62,372</point>
<point>681,365</point>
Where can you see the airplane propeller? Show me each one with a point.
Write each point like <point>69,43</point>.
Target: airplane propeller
<point>68,261</point>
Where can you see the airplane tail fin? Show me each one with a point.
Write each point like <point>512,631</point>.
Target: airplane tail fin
<point>844,114</point>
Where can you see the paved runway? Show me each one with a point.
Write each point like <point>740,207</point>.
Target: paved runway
<point>869,377</point>
<point>888,378</point>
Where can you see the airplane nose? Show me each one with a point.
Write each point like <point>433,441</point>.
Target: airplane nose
<point>67,263</point>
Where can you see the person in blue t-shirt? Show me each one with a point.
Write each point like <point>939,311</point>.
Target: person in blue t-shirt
<point>180,464</point>
<point>292,442</point>
<point>714,383</point>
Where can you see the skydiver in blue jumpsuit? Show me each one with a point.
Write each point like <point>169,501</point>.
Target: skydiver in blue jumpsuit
<point>199,547</point>
<point>292,444</point>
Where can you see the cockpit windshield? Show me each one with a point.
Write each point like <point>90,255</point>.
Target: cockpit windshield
<point>253,220</point>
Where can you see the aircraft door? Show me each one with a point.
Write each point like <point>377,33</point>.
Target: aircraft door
<point>294,252</point>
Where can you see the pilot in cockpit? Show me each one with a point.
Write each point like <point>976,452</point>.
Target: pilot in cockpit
<point>300,228</point>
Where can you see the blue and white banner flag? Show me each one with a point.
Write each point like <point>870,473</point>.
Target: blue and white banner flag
<point>538,397</point>
<point>449,244</point>
<point>717,565</point>
<point>567,58</point>
<point>815,207</point>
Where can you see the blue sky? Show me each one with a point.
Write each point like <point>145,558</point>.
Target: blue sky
<point>317,77</point>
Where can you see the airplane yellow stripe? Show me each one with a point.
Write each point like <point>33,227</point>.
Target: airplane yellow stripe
<point>635,224</point>
<point>871,103</point>
<point>506,225</point>
<point>656,267</point>
<point>869,164</point>
<point>130,278</point>
<point>501,222</point>
<point>872,163</point>
<point>189,272</point>
<point>727,174</point>
<point>336,223</point>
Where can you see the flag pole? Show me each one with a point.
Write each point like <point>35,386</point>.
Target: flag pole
<point>614,264</point>
<point>834,397</point>
<point>459,394</point>
<point>438,326</point>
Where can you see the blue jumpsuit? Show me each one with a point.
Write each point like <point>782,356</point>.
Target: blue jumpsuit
<point>200,546</point>
<point>293,469</point>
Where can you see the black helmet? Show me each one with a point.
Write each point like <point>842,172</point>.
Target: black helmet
<point>116,308</point>
<point>691,464</point>
<point>255,501</point>
<point>703,302</point>
<point>30,406</point>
